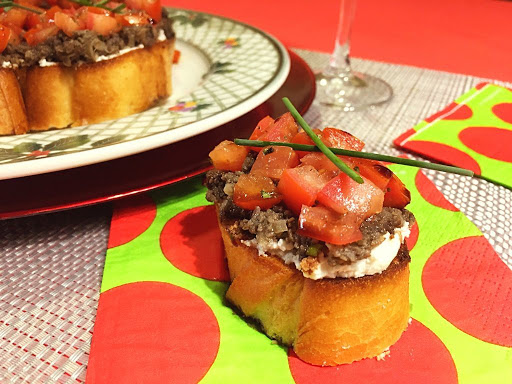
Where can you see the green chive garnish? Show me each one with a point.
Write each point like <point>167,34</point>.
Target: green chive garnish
<point>266,195</point>
<point>362,155</point>
<point>7,5</point>
<point>313,249</point>
<point>326,151</point>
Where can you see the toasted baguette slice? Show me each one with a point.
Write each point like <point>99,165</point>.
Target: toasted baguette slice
<point>327,321</point>
<point>13,118</point>
<point>61,97</point>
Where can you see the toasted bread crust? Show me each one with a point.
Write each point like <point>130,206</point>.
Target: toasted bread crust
<point>327,321</point>
<point>60,97</point>
<point>13,118</point>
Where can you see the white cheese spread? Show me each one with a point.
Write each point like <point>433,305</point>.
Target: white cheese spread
<point>120,53</point>
<point>379,259</point>
<point>8,64</point>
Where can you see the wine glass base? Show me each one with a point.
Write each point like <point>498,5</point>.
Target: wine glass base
<point>352,91</point>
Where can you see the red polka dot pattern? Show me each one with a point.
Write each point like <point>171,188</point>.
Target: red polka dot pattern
<point>403,137</point>
<point>431,194</point>
<point>443,153</point>
<point>488,141</point>
<point>413,237</point>
<point>453,111</point>
<point>503,111</point>
<point>481,85</point>
<point>131,217</point>
<point>191,241</point>
<point>418,357</point>
<point>469,285</point>
<point>144,334</point>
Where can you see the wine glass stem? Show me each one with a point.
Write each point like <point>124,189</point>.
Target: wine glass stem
<point>339,63</point>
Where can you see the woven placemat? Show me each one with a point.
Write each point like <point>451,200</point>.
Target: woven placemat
<point>50,268</point>
<point>51,265</point>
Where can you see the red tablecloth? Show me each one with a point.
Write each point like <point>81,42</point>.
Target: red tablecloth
<point>463,36</point>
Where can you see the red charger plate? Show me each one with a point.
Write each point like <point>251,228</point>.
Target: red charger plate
<point>145,171</point>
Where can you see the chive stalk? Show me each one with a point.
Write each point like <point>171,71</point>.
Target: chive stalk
<point>318,142</point>
<point>362,155</point>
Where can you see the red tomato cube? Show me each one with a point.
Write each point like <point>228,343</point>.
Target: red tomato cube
<point>303,138</point>
<point>300,186</point>
<point>337,138</point>
<point>272,161</point>
<point>397,195</point>
<point>320,162</point>
<point>261,128</point>
<point>283,129</point>
<point>374,171</point>
<point>15,17</point>
<point>102,24</point>
<point>343,195</point>
<point>227,156</point>
<point>253,191</point>
<point>66,23</point>
<point>5,35</point>
<point>323,224</point>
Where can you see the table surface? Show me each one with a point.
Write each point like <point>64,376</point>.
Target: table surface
<point>51,265</point>
<point>460,36</point>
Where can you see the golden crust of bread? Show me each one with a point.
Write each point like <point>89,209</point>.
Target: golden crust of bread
<point>327,321</point>
<point>13,119</point>
<point>60,97</point>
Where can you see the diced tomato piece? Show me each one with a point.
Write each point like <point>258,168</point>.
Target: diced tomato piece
<point>300,186</point>
<point>303,138</point>
<point>323,224</point>
<point>114,4</point>
<point>152,7</point>
<point>272,161</point>
<point>253,191</point>
<point>66,23</point>
<point>15,16</point>
<point>32,20</point>
<point>342,194</point>
<point>31,2</point>
<point>228,156</point>
<point>374,171</point>
<point>283,129</point>
<point>320,162</point>
<point>176,56</point>
<point>337,138</point>
<point>39,34</point>
<point>50,14</point>
<point>397,195</point>
<point>15,34</point>
<point>5,34</point>
<point>102,24</point>
<point>133,4</point>
<point>98,11</point>
<point>262,127</point>
<point>66,4</point>
<point>71,11</point>
<point>134,19</point>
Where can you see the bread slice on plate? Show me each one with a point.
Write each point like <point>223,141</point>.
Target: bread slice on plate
<point>82,63</point>
<point>60,97</point>
<point>317,258</point>
<point>327,321</point>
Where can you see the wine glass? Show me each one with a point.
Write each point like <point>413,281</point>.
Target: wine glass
<point>338,85</point>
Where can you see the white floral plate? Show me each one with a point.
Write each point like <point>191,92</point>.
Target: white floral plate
<point>226,69</point>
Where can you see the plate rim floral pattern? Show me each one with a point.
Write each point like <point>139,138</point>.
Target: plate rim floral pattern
<point>36,161</point>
